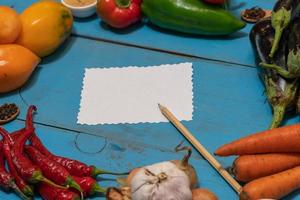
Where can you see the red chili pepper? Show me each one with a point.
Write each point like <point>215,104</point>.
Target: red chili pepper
<point>51,169</point>
<point>89,185</point>
<point>22,185</point>
<point>49,192</point>
<point>74,167</point>
<point>7,180</point>
<point>215,1</point>
<point>119,13</point>
<point>25,168</point>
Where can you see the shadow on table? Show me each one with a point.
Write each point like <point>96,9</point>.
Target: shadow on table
<point>236,35</point>
<point>60,52</point>
<point>122,31</point>
<point>86,19</point>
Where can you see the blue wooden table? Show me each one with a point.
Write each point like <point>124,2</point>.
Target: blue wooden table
<point>228,96</point>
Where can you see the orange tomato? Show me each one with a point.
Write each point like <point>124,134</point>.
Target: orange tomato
<point>10,24</point>
<point>16,65</point>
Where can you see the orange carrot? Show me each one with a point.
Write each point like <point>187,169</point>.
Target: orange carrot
<point>249,167</point>
<point>274,187</point>
<point>279,140</point>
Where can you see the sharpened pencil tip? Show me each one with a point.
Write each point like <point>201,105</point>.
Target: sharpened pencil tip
<point>159,105</point>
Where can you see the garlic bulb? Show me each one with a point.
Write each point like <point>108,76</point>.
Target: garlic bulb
<point>160,181</point>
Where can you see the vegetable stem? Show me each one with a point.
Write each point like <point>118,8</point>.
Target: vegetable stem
<point>280,20</point>
<point>71,183</point>
<point>37,176</point>
<point>278,113</point>
<point>97,171</point>
<point>278,69</point>
<point>97,189</point>
<point>18,191</point>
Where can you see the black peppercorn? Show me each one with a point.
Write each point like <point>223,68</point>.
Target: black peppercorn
<point>8,112</point>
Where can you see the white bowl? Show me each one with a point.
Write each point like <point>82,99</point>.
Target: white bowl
<point>83,11</point>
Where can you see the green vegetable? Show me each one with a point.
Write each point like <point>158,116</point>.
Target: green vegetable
<point>191,16</point>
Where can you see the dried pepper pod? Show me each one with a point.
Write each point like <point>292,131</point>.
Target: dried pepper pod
<point>49,192</point>
<point>22,185</point>
<point>89,186</point>
<point>6,179</point>
<point>75,167</point>
<point>281,93</point>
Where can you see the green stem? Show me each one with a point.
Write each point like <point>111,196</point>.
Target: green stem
<point>123,3</point>
<point>278,34</point>
<point>97,189</point>
<point>37,177</point>
<point>280,20</point>
<point>97,171</point>
<point>72,183</point>
<point>18,191</point>
<point>28,191</point>
<point>278,114</point>
<point>278,69</point>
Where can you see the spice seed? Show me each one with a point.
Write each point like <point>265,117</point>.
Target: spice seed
<point>8,112</point>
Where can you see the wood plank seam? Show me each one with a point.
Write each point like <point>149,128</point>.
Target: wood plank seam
<point>161,50</point>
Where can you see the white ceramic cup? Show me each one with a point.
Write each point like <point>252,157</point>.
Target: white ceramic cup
<point>83,11</point>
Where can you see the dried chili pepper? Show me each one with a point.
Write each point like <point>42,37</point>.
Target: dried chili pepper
<point>49,192</point>
<point>22,185</point>
<point>51,169</point>
<point>25,168</point>
<point>89,185</point>
<point>74,167</point>
<point>7,180</point>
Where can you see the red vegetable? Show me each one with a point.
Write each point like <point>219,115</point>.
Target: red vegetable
<point>75,168</point>
<point>51,169</point>
<point>119,13</point>
<point>6,180</point>
<point>215,1</point>
<point>25,168</point>
<point>22,185</point>
<point>53,193</point>
<point>89,185</point>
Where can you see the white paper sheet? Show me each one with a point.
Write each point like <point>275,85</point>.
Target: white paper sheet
<point>131,94</point>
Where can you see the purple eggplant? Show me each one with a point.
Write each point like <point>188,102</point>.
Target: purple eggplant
<point>293,53</point>
<point>284,12</point>
<point>281,92</point>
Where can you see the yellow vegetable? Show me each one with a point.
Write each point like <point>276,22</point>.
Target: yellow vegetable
<point>46,25</point>
<point>16,65</point>
<point>10,25</point>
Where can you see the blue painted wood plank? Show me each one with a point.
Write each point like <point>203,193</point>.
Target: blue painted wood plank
<point>118,156</point>
<point>228,99</point>
<point>235,48</point>
<point>223,95</point>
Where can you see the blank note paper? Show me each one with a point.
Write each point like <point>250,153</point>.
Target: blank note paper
<point>131,94</point>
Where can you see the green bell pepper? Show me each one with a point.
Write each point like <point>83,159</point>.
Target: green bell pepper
<point>191,16</point>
